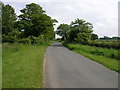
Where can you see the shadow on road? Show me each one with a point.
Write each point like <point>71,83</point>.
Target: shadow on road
<point>57,45</point>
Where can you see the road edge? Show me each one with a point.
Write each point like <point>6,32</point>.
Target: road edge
<point>44,69</point>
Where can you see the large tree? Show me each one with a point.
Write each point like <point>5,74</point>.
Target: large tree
<point>8,19</point>
<point>80,31</point>
<point>63,30</point>
<point>9,32</point>
<point>34,21</point>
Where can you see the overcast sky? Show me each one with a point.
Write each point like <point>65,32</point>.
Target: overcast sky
<point>103,14</point>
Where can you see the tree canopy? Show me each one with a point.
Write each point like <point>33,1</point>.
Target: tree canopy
<point>34,21</point>
<point>63,30</point>
<point>79,31</point>
<point>80,27</point>
<point>8,19</point>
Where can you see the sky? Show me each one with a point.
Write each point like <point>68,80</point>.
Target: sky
<point>103,14</point>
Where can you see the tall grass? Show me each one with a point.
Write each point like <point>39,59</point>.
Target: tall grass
<point>107,57</point>
<point>23,65</point>
<point>105,44</point>
<point>110,53</point>
<point>0,65</point>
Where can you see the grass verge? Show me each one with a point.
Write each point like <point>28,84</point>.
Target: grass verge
<point>23,65</point>
<point>100,55</point>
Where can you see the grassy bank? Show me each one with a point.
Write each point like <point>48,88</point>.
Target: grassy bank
<point>0,65</point>
<point>107,57</point>
<point>23,65</point>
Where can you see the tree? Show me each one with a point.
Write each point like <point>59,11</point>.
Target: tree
<point>9,32</point>
<point>34,21</point>
<point>8,19</point>
<point>82,38</point>
<point>63,30</point>
<point>94,36</point>
<point>1,19</point>
<point>79,28</point>
<point>105,38</point>
<point>116,38</point>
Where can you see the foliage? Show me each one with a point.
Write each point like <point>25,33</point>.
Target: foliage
<point>11,36</point>
<point>25,41</point>
<point>37,40</point>
<point>106,38</point>
<point>42,39</point>
<point>9,33</point>
<point>80,26</point>
<point>58,39</point>
<point>108,57</point>
<point>105,44</point>
<point>8,19</point>
<point>34,21</point>
<point>78,31</point>
<point>94,36</point>
<point>111,53</point>
<point>32,26</point>
<point>82,38</point>
<point>62,30</point>
<point>6,38</point>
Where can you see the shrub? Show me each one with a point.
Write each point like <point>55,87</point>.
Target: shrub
<point>105,44</point>
<point>41,39</point>
<point>10,39</point>
<point>65,43</point>
<point>83,38</point>
<point>38,40</point>
<point>25,40</point>
<point>33,39</point>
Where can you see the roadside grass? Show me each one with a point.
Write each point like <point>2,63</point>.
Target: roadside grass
<point>0,66</point>
<point>23,65</point>
<point>107,57</point>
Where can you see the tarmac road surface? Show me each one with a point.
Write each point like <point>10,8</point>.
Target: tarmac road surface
<point>67,69</point>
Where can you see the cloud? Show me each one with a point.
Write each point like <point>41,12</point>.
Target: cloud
<point>103,14</point>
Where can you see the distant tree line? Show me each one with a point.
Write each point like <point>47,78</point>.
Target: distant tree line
<point>109,38</point>
<point>33,25</point>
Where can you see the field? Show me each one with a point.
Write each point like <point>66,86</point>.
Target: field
<point>23,65</point>
<point>108,57</point>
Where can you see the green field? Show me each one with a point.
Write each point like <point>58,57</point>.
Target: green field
<point>23,65</point>
<point>108,57</point>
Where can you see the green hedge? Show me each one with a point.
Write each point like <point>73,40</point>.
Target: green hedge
<point>25,40</point>
<point>115,45</point>
<point>6,38</point>
<point>30,40</point>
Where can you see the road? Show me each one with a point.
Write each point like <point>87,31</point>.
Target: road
<point>67,69</point>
